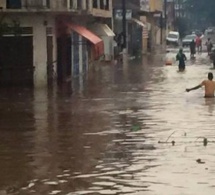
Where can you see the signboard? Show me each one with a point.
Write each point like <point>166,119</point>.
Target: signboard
<point>118,14</point>
<point>144,5</point>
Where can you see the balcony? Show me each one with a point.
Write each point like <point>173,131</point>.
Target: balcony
<point>20,5</point>
<point>98,8</point>
<point>36,4</point>
<point>102,8</point>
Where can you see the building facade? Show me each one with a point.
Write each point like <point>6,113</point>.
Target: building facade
<point>44,39</point>
<point>152,12</point>
<point>135,27</point>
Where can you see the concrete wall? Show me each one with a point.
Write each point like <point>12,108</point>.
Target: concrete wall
<point>39,23</point>
<point>156,5</point>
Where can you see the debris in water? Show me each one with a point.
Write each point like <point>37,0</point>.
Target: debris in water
<point>51,183</point>
<point>205,142</point>
<point>135,128</point>
<point>200,161</point>
<point>31,185</point>
<point>55,192</point>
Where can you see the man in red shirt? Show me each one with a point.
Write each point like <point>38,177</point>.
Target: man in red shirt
<point>199,44</point>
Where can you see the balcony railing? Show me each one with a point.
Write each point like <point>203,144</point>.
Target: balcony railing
<point>101,4</point>
<point>36,4</point>
<point>56,5</point>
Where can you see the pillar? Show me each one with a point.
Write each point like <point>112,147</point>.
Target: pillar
<point>40,53</point>
<point>80,55</point>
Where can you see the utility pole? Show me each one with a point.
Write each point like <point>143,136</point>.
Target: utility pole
<point>124,29</point>
<point>165,13</point>
<point>164,23</point>
<point>162,27</point>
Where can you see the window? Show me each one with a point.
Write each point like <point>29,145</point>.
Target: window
<point>48,3</point>
<point>107,7</point>
<point>79,4</point>
<point>95,4</point>
<point>190,37</point>
<point>73,4</point>
<point>102,4</point>
<point>87,4</point>
<point>14,4</point>
<point>173,36</point>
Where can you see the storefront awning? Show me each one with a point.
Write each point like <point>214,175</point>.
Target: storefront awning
<point>138,22</point>
<point>94,39</point>
<point>102,30</point>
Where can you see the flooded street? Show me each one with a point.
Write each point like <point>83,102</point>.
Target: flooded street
<point>113,135</point>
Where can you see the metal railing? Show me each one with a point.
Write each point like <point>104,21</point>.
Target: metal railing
<point>36,4</point>
<point>55,5</point>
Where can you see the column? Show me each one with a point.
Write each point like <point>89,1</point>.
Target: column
<point>72,54</point>
<point>80,55</point>
<point>40,53</point>
<point>68,4</point>
<point>84,5</point>
<point>98,3</point>
<point>90,5</point>
<point>75,4</point>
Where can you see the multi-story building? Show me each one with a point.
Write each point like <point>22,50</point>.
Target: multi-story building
<point>135,27</point>
<point>152,11</point>
<point>170,13</point>
<point>40,39</point>
<point>179,6</point>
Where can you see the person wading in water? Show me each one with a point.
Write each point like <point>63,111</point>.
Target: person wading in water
<point>209,86</point>
<point>181,57</point>
<point>192,49</point>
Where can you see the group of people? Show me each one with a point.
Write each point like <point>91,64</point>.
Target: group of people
<point>181,57</point>
<point>197,44</point>
<point>209,84</point>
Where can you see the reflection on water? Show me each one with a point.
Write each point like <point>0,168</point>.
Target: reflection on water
<point>104,138</point>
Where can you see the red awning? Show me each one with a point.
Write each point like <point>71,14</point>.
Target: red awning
<point>98,43</point>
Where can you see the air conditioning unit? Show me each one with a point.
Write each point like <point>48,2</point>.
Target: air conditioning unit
<point>3,4</point>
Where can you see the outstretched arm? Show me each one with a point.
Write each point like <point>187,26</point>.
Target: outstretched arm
<point>194,88</point>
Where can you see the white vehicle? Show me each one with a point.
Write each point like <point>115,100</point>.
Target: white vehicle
<point>210,33</point>
<point>173,38</point>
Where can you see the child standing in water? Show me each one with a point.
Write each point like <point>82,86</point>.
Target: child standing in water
<point>181,57</point>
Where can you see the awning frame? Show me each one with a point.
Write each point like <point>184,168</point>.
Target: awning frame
<point>138,22</point>
<point>98,48</point>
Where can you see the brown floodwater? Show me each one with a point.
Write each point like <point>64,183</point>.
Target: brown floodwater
<point>112,135</point>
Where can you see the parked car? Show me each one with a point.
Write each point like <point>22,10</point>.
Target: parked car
<point>188,39</point>
<point>173,38</point>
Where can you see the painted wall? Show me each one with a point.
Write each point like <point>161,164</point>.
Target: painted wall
<point>156,5</point>
<point>39,24</point>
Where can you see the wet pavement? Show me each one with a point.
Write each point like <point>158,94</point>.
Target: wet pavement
<point>113,135</point>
